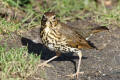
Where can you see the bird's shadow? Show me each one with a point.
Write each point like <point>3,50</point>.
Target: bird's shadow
<point>45,53</point>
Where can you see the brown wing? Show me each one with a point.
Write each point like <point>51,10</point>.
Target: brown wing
<point>86,30</point>
<point>73,39</point>
<point>79,42</point>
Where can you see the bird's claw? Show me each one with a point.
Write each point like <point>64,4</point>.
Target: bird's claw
<point>75,75</point>
<point>45,65</point>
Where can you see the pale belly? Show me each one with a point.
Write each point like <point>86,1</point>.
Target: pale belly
<point>51,47</point>
<point>63,48</point>
<point>56,44</point>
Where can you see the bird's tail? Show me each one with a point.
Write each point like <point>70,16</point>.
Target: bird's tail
<point>99,29</point>
<point>92,45</point>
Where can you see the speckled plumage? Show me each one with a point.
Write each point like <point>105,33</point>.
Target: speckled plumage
<point>61,38</point>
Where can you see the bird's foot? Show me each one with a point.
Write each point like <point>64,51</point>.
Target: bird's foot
<point>75,75</point>
<point>45,64</point>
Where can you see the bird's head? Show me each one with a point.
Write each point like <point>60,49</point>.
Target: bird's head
<point>49,19</point>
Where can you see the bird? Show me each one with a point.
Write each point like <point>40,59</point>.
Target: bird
<point>61,38</point>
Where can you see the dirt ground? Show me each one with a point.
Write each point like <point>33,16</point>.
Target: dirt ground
<point>102,64</point>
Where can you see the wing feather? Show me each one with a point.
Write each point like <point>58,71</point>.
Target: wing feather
<point>74,39</point>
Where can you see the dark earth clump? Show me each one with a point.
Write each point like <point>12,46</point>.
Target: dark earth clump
<point>102,64</point>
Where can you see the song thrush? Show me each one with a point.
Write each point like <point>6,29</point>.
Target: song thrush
<point>61,38</point>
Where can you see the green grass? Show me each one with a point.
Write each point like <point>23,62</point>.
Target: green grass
<point>65,10</point>
<point>108,17</point>
<point>16,63</point>
<point>7,27</point>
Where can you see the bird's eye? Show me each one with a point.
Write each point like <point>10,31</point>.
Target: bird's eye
<point>54,17</point>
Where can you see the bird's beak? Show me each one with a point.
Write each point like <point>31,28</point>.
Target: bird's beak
<point>48,23</point>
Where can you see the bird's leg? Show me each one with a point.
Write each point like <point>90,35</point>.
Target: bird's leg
<point>78,68</point>
<point>46,62</point>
